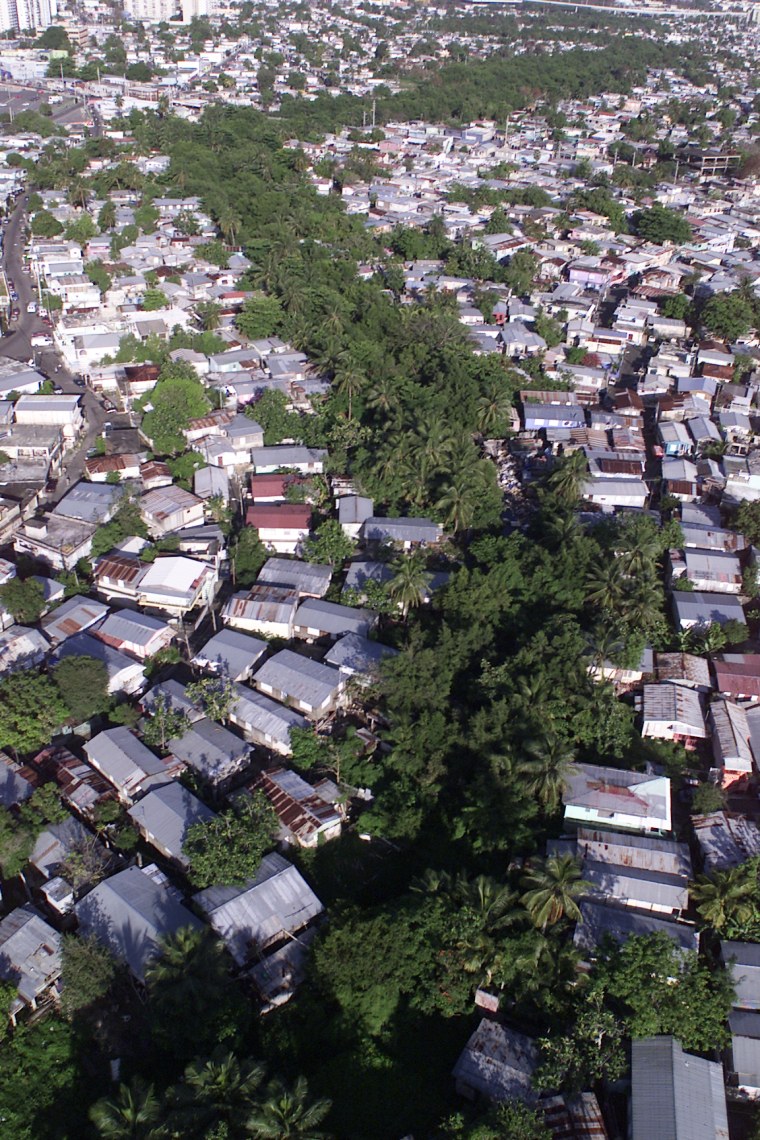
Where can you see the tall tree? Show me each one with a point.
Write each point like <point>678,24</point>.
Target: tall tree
<point>135,1113</point>
<point>552,887</point>
<point>288,1111</point>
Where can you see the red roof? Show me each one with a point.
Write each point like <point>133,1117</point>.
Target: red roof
<point>270,516</point>
<point>265,486</point>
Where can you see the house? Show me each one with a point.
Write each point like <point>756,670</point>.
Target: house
<point>277,976</point>
<point>316,618</point>
<point>731,743</point>
<point>672,712</point>
<point>283,527</point>
<point>272,488</point>
<point>82,788</point>
<point>137,634</point>
<point>21,648</point>
<point>683,669</point>
<point>165,816</point>
<point>744,1025</point>
<point>269,610</point>
<point>600,920</point>
<point>611,797</point>
<point>708,570</point>
<point>30,955</point>
<point>118,576</point>
<point>131,913</point>
<point>406,532</point>
<point>675,1095</point>
<point>737,675</point>
<point>644,889</point>
<point>56,540</point>
<point>230,654</point>
<point>742,960</point>
<point>54,845</point>
<point>644,852</point>
<point>353,512</point>
<point>610,494</point>
<point>90,502</point>
<point>303,460</point>
<point>309,579</point>
<point>175,584</point>
<point>125,675</point>
<point>270,908</point>
<point>127,764</point>
<point>695,610</point>
<point>167,509</point>
<point>306,817</point>
<point>212,751</point>
<point>497,1063</point>
<point>311,688</point>
<point>356,656</point>
<point>174,695</point>
<point>264,721</point>
<point>725,839</point>
<point>74,616</point>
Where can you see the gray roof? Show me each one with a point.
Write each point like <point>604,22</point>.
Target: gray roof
<point>90,502</point>
<point>306,577</point>
<point>743,963</point>
<point>363,571</point>
<point>129,913</point>
<point>122,758</point>
<point>353,509</point>
<point>703,608</point>
<point>167,814</point>
<point>276,902</point>
<point>356,654</point>
<point>30,952</point>
<point>745,1046</point>
<point>621,923</point>
<point>401,529</point>
<point>175,695</point>
<point>499,1063</point>
<point>14,789</point>
<point>255,712</point>
<point>137,628</point>
<point>74,616</point>
<point>674,1095</point>
<point>212,750</point>
<point>54,844</point>
<point>83,645</point>
<point>285,455</point>
<point>632,884</point>
<point>231,653</point>
<point>332,618</point>
<point>299,678</point>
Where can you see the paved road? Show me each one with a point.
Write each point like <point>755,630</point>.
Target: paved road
<point>17,345</point>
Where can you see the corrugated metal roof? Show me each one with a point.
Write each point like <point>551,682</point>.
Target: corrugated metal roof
<point>332,618</point>
<point>299,807</point>
<point>299,678</point>
<point>674,1095</point>
<point>129,913</point>
<point>647,852</point>
<point>255,712</point>
<point>212,750</point>
<point>167,814</point>
<point>276,902</point>
<point>72,617</point>
<point>230,652</point>
<point>499,1063</point>
<point>30,952</point>
<point>306,577</point>
<point>621,922</point>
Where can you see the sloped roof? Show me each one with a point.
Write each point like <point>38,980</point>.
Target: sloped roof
<point>30,951</point>
<point>306,577</point>
<point>499,1063</point>
<point>210,749</point>
<point>675,1095</point>
<point>299,677</point>
<point>129,913</point>
<point>276,902</point>
<point>167,814</point>
<point>260,713</point>
<point>231,653</point>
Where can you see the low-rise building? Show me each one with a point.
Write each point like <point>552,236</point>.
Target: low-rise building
<point>306,817</point>
<point>263,721</point>
<point>164,817</point>
<point>313,689</point>
<point>127,764</point>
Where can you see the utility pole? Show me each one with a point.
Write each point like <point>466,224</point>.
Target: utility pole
<point>374,108</point>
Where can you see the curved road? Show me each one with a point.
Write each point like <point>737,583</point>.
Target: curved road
<point>17,345</point>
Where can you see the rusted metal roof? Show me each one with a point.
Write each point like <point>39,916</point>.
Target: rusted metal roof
<point>299,807</point>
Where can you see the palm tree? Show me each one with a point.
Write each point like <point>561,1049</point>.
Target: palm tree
<point>287,1112</point>
<point>458,503</point>
<point>409,582</point>
<point>494,408</point>
<point>349,382</point>
<point>549,766</point>
<point>188,986</point>
<point>605,584</point>
<point>551,887</point>
<point>229,224</point>
<point>567,478</point>
<point>134,1114</point>
<point>219,1088</point>
<point>725,896</point>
